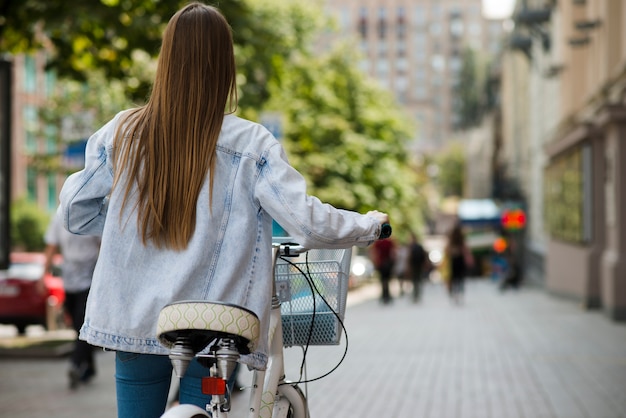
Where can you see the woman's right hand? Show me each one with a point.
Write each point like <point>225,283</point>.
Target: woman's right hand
<point>381,217</point>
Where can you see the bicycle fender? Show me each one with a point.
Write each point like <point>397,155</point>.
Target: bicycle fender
<point>281,408</point>
<point>295,401</point>
<point>185,411</point>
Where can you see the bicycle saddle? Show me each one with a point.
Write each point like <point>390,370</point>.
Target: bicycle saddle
<point>201,322</point>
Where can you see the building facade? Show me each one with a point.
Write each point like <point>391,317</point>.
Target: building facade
<point>32,86</point>
<point>574,136</point>
<point>414,49</point>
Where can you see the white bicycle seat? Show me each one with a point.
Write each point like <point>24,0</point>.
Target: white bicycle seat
<point>201,322</point>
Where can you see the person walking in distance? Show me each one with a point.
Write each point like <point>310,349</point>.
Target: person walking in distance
<point>383,255</point>
<point>460,261</point>
<point>415,265</point>
<point>80,253</point>
<point>183,193</point>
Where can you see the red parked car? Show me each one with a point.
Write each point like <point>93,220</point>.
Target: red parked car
<point>21,303</point>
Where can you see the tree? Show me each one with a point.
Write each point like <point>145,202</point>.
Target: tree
<point>471,90</point>
<point>107,35</point>
<point>451,171</point>
<point>92,103</point>
<point>28,225</point>
<point>332,109</point>
<point>348,137</point>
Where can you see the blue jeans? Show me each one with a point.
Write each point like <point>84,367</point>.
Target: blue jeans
<point>143,383</point>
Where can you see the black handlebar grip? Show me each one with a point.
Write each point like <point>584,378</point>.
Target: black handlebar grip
<point>385,231</point>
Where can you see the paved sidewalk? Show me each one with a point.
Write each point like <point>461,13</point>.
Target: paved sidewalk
<point>500,355</point>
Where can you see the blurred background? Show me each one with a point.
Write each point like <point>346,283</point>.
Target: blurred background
<point>508,116</point>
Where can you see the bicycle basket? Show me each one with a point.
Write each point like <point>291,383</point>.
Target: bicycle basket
<point>313,290</point>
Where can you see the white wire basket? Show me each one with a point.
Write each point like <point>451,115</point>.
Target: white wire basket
<point>313,289</point>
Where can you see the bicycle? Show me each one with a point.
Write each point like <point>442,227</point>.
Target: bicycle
<point>308,307</point>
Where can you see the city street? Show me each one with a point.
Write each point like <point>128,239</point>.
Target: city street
<point>498,355</point>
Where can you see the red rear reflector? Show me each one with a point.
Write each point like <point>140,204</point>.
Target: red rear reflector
<point>213,386</point>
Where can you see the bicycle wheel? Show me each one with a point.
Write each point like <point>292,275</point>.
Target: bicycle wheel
<point>291,403</point>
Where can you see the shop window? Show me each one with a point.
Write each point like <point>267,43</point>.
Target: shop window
<point>567,188</point>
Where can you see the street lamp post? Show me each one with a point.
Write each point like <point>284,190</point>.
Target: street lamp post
<point>6,67</point>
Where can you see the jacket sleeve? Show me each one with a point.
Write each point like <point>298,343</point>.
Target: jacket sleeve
<point>84,196</point>
<point>282,193</point>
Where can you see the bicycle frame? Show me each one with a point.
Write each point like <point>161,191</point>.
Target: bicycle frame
<point>267,384</point>
<point>270,395</point>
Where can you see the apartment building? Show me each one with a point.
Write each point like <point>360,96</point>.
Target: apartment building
<point>31,87</point>
<point>568,94</point>
<point>414,49</point>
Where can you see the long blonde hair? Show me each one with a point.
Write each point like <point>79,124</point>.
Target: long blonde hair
<point>166,147</point>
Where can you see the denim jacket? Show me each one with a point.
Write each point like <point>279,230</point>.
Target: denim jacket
<point>229,256</point>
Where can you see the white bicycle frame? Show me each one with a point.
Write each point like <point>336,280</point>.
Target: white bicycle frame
<point>267,384</point>
<point>270,395</point>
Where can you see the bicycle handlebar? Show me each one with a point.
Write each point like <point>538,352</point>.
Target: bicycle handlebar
<point>385,231</point>
<point>291,249</point>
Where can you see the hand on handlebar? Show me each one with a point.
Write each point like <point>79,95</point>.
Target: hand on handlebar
<point>383,219</point>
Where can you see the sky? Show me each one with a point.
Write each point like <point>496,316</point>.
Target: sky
<point>498,8</point>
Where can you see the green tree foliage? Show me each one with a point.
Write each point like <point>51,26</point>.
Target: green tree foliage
<point>471,90</point>
<point>451,171</point>
<point>86,35</point>
<point>90,104</point>
<point>28,226</point>
<point>348,137</point>
<point>107,35</point>
<point>112,35</point>
<point>266,42</point>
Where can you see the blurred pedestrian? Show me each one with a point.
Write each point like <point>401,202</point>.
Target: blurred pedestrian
<point>400,267</point>
<point>459,262</point>
<point>415,265</point>
<point>80,253</point>
<point>383,255</point>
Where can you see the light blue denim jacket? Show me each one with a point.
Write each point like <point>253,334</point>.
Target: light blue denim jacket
<point>229,256</point>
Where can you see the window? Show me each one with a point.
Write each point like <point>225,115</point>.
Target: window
<point>31,184</point>
<point>363,22</point>
<point>52,192</point>
<point>402,84</point>
<point>401,24</point>
<point>50,82</point>
<point>456,64</point>
<point>364,66</point>
<point>456,27</point>
<point>30,74</point>
<point>51,139</point>
<point>421,92</point>
<point>382,67</point>
<point>438,63</point>
<point>435,29</point>
<point>567,188</point>
<point>344,19</point>
<point>382,49</point>
<point>30,126</point>
<point>419,16</point>
<point>401,48</point>
<point>402,65</point>
<point>382,23</point>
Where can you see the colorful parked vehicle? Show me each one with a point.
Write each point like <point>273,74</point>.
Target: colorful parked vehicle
<point>22,303</point>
